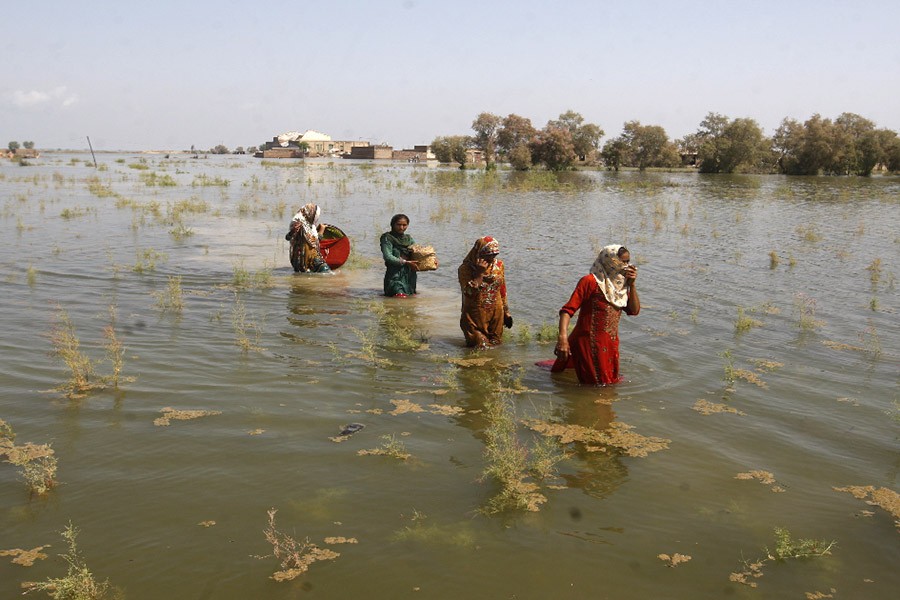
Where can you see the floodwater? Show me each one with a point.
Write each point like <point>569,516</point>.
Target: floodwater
<point>284,361</point>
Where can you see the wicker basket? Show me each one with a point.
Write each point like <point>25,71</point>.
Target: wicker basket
<point>424,256</point>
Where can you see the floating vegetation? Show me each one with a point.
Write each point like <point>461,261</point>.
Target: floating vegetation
<point>773,259</point>
<point>750,377</point>
<point>764,477</point>
<point>705,407</point>
<point>390,447</point>
<point>340,540</point>
<point>764,365</point>
<point>744,323</point>
<point>206,523</point>
<point>618,435</point>
<point>115,351</point>
<point>785,547</point>
<point>36,462</point>
<point>809,233</point>
<point>256,432</point>
<point>79,583</point>
<point>728,370</point>
<point>674,560</point>
<point>452,535</point>
<point>97,188</point>
<point>31,275</point>
<point>171,414</point>
<point>478,361</point>
<point>25,558</point>
<point>242,278</point>
<point>882,497</point>
<point>294,557</point>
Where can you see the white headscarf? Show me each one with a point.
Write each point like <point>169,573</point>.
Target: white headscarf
<point>607,270</point>
<point>308,217</point>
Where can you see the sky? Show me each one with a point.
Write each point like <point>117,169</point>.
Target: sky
<point>166,75</point>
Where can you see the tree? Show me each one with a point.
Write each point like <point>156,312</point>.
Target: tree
<point>451,148</point>
<point>649,146</point>
<point>13,146</point>
<point>553,146</point>
<point>252,150</point>
<point>615,153</point>
<point>486,127</point>
<point>520,157</point>
<point>28,145</point>
<point>219,149</point>
<point>515,131</point>
<point>585,136</point>
<point>729,146</point>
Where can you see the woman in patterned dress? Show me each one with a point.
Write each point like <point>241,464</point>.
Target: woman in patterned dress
<point>601,296</point>
<point>485,310</point>
<point>304,236</point>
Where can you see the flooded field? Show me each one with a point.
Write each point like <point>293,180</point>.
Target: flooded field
<point>188,382</point>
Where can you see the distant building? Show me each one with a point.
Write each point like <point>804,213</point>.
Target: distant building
<point>287,145</point>
<point>371,152</point>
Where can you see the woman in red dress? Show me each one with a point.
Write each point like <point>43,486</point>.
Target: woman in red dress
<point>601,296</point>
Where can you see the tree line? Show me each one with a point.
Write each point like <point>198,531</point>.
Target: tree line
<point>13,146</point>
<point>847,145</point>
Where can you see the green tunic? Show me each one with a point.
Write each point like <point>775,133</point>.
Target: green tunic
<point>398,278</point>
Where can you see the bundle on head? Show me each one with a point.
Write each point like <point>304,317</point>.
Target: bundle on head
<point>424,256</point>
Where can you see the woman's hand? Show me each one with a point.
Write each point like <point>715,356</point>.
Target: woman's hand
<point>412,264</point>
<point>562,348</point>
<point>630,273</point>
<point>482,265</point>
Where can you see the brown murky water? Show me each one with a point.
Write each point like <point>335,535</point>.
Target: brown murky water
<point>238,396</point>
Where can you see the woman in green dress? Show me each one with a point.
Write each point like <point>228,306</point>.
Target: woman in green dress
<point>400,276</point>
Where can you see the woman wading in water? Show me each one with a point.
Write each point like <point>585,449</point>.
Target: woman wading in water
<point>304,234</point>
<point>400,275</point>
<point>601,296</point>
<point>482,280</point>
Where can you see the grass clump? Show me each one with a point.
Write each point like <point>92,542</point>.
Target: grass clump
<point>204,180</point>
<point>512,463</point>
<point>153,179</point>
<point>147,259</point>
<point>294,557</point>
<point>172,298</point>
<point>390,447</point>
<point>244,327</point>
<point>79,583</point>
<point>785,547</point>
<point>806,308</point>
<point>67,347</point>
<point>743,323</point>
<point>36,461</point>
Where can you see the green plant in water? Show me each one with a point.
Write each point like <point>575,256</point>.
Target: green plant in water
<point>806,307</point>
<point>511,463</point>
<point>147,259</point>
<point>244,327</point>
<point>744,323</point>
<point>729,374</point>
<point>115,351</point>
<point>31,275</point>
<point>36,462</point>
<point>181,232</point>
<point>79,583</point>
<point>874,270</point>
<point>788,547</point>
<point>294,557</point>
<point>773,259</point>
<point>547,334</point>
<point>523,334</point>
<point>870,340</point>
<point>391,446</point>
<point>172,298</point>
<point>67,347</point>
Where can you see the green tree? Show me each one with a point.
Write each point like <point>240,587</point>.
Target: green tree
<point>515,131</point>
<point>728,146</point>
<point>28,145</point>
<point>553,146</point>
<point>486,127</point>
<point>648,146</point>
<point>451,148</point>
<point>13,146</point>
<point>219,149</point>
<point>520,157</point>
<point>615,153</point>
<point>585,136</point>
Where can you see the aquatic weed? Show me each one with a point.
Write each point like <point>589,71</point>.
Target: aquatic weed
<point>391,446</point>
<point>294,557</point>
<point>67,347</point>
<point>743,323</point>
<point>172,298</point>
<point>79,583</point>
<point>37,462</point>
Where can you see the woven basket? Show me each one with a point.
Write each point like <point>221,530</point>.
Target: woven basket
<point>425,258</point>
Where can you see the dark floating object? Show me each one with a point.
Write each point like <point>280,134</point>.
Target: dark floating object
<point>351,428</point>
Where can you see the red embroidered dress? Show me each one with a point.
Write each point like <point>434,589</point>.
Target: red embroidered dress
<point>594,343</point>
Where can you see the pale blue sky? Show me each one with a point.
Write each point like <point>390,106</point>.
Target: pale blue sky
<point>167,74</point>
